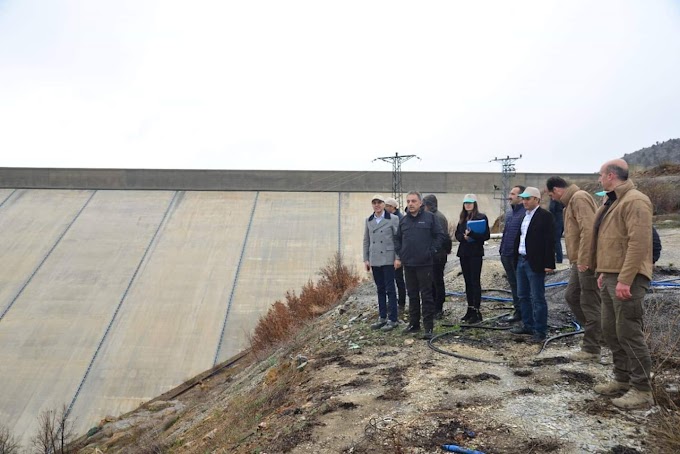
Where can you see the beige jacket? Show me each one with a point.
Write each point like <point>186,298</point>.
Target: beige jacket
<point>579,218</point>
<point>624,240</point>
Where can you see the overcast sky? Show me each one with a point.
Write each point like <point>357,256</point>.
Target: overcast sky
<point>332,85</point>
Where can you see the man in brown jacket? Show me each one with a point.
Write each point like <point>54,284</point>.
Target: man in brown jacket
<point>582,293</point>
<point>622,257</point>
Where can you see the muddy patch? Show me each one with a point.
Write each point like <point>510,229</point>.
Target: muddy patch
<point>577,378</point>
<point>394,383</point>
<point>523,372</point>
<point>463,379</point>
<point>523,392</point>
<point>597,407</point>
<point>550,361</point>
<point>357,383</point>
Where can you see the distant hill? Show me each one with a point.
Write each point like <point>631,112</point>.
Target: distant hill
<point>659,153</point>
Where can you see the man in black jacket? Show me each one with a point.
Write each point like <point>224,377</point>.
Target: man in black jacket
<point>439,260</point>
<point>535,252</point>
<point>418,239</point>
<point>392,206</point>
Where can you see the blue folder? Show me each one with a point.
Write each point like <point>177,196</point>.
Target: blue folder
<point>478,226</point>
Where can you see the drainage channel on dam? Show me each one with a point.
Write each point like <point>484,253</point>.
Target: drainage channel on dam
<point>120,303</point>
<point>44,259</point>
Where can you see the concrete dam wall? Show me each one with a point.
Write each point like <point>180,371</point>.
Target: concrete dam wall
<point>110,297</point>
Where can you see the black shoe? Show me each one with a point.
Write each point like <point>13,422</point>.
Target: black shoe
<point>516,317</point>
<point>427,335</point>
<point>410,329</point>
<point>468,314</point>
<point>475,318</point>
<point>536,339</point>
<point>520,330</point>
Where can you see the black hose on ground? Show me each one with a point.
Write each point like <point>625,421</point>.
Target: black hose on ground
<point>578,330</point>
<point>430,344</point>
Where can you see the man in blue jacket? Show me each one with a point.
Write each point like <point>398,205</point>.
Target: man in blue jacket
<point>513,221</point>
<point>418,239</point>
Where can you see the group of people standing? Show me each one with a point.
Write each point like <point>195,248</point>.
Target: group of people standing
<point>609,250</point>
<point>418,242</point>
<point>610,253</point>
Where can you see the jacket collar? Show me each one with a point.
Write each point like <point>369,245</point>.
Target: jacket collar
<point>622,189</point>
<point>386,215</point>
<point>420,212</point>
<point>568,194</point>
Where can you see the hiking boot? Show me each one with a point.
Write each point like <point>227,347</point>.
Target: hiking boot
<point>475,318</point>
<point>468,314</point>
<point>520,330</point>
<point>634,399</point>
<point>536,339</point>
<point>428,334</point>
<point>389,326</point>
<point>613,388</point>
<point>410,329</point>
<point>379,324</point>
<point>585,357</point>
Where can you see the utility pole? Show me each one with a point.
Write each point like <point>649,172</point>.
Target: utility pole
<point>396,161</point>
<point>508,171</point>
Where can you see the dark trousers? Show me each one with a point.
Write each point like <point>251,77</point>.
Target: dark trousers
<point>511,272</point>
<point>531,293</point>
<point>438,290</point>
<point>387,297</point>
<point>559,230</point>
<point>419,285</point>
<point>472,273</point>
<point>401,286</point>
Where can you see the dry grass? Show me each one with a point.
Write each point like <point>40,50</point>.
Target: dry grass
<point>662,333</point>
<point>235,428</point>
<point>663,195</point>
<point>283,320</point>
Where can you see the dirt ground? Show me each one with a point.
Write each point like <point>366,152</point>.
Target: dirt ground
<point>354,390</point>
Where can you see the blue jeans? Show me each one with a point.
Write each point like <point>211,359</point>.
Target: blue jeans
<point>531,294</point>
<point>384,281</point>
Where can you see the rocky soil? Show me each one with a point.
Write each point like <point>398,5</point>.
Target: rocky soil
<point>340,387</point>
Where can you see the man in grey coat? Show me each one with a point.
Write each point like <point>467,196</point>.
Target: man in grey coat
<point>380,258</point>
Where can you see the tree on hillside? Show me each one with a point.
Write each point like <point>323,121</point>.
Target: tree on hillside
<point>8,444</point>
<point>55,432</point>
<point>660,153</point>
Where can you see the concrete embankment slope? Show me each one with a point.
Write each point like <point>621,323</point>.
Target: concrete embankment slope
<point>109,298</point>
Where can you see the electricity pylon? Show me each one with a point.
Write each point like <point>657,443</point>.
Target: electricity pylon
<point>508,171</point>
<point>396,161</point>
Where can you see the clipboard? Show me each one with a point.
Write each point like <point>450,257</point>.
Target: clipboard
<point>477,226</point>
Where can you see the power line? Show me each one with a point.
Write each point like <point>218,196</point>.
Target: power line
<point>508,171</point>
<point>396,160</point>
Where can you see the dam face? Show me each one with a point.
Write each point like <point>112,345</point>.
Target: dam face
<point>112,296</point>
